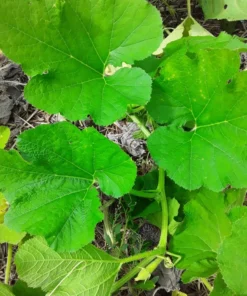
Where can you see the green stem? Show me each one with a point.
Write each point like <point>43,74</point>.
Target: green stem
<point>133,272</point>
<point>206,284</point>
<point>189,8</point>
<point>8,266</point>
<point>143,193</point>
<point>142,127</point>
<point>152,253</point>
<point>164,207</point>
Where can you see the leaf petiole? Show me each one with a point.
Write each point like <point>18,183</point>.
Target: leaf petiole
<point>8,266</point>
<point>144,194</point>
<point>206,284</point>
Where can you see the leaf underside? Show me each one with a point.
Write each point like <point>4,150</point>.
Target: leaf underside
<point>232,10</point>
<point>87,272</point>
<point>50,189</point>
<point>65,46</point>
<point>205,108</point>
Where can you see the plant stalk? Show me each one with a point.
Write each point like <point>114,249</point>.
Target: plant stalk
<point>143,193</point>
<point>206,284</point>
<point>136,120</point>
<point>189,8</point>
<point>164,207</point>
<point>8,266</point>
<point>133,272</point>
<point>152,253</point>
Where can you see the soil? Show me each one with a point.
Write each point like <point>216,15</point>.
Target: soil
<point>18,115</point>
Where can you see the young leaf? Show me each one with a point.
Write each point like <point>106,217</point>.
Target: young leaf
<point>89,271</point>
<point>203,145</point>
<point>232,10</point>
<point>199,237</point>
<point>65,46</point>
<point>220,288</point>
<point>232,257</point>
<point>4,136</point>
<point>50,189</point>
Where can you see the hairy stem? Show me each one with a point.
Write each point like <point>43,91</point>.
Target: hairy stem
<point>133,272</point>
<point>142,127</point>
<point>164,207</point>
<point>8,266</point>
<point>189,7</point>
<point>143,193</point>
<point>206,284</point>
<point>152,253</point>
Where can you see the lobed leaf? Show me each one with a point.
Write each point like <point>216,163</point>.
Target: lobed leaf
<point>65,46</point>
<point>88,271</point>
<point>50,189</point>
<point>205,109</point>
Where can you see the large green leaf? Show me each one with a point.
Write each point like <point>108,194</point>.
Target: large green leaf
<point>232,10</point>
<point>4,136</point>
<point>65,45</point>
<point>51,188</point>
<point>220,287</point>
<point>232,257</point>
<point>88,272</point>
<point>200,235</point>
<point>205,108</point>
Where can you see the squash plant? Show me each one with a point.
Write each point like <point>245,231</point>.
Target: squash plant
<point>194,94</point>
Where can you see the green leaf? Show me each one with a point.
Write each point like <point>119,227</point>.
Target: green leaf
<point>235,198</point>
<point>220,288</point>
<point>4,136</point>
<point>173,210</point>
<point>146,286</point>
<point>65,46</point>
<point>196,148</point>
<point>20,289</point>
<point>232,258</point>
<point>185,45</point>
<point>10,236</point>
<point>232,10</point>
<point>200,235</point>
<point>3,207</point>
<point>200,269</point>
<point>195,43</point>
<point>50,189</point>
<point>5,290</point>
<point>89,271</point>
<point>7,235</point>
